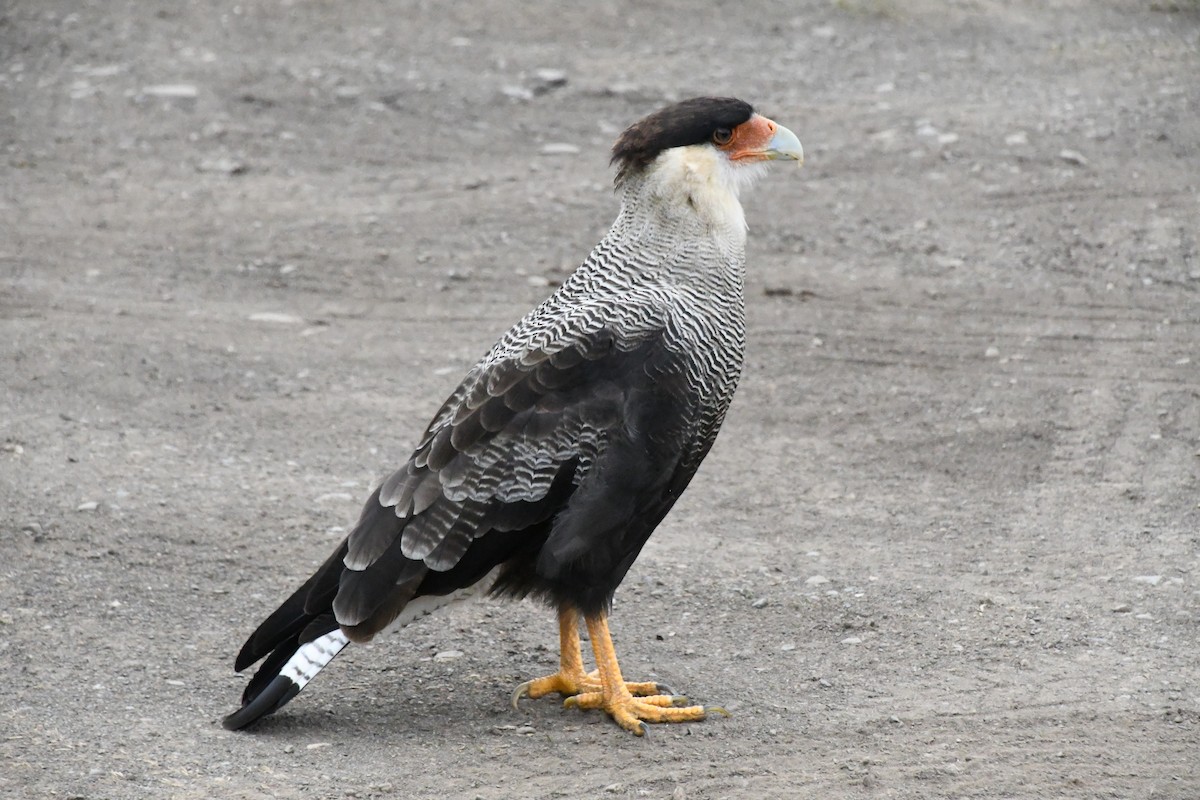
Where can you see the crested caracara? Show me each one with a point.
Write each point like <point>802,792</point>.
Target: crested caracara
<point>550,465</point>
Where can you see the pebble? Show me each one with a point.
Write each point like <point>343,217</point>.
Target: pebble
<point>317,745</point>
<point>275,317</point>
<point>991,352</point>
<point>172,91</point>
<point>787,648</point>
<point>89,505</point>
<point>761,602</point>
<point>559,149</point>
<point>816,580</point>
<point>1016,139</point>
<point>516,93</point>
<point>1073,157</point>
<point>852,640</point>
<point>1123,608</point>
<point>447,655</point>
<point>547,80</point>
<point>1149,580</point>
<point>222,166</point>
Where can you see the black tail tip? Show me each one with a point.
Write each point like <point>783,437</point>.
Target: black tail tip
<point>273,697</point>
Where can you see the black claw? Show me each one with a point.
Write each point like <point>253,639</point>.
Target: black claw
<point>663,688</point>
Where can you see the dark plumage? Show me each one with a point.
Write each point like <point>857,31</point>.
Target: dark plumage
<point>561,451</point>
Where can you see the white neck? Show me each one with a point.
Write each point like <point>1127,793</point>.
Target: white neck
<point>691,194</point>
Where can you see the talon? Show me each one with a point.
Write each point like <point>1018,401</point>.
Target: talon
<point>679,700</point>
<point>643,728</point>
<point>662,688</point>
<point>717,710</point>
<point>518,693</point>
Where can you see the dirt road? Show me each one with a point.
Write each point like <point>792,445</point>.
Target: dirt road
<point>948,544</point>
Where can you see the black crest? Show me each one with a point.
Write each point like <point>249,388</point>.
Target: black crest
<point>688,122</point>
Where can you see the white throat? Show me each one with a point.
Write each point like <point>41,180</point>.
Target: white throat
<point>698,184</point>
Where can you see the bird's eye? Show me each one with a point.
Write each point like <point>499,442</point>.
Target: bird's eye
<point>722,136</point>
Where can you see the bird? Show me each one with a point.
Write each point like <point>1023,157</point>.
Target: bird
<point>547,469</point>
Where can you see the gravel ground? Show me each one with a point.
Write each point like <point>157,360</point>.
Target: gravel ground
<point>946,546</point>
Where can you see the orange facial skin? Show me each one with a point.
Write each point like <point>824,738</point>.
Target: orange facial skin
<point>750,140</point>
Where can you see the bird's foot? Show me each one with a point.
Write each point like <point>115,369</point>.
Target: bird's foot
<point>632,713</point>
<point>572,683</point>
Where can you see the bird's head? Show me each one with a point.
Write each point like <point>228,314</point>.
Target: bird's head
<point>722,137</point>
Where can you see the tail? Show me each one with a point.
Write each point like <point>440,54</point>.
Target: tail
<point>298,640</point>
<point>304,664</point>
<point>303,635</point>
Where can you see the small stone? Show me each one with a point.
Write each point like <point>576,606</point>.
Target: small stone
<point>1073,157</point>
<point>317,745</point>
<point>991,352</point>
<point>172,91</point>
<point>851,640</point>
<point>816,580</point>
<point>516,93</point>
<point>613,788</point>
<point>1123,608</point>
<point>1016,139</point>
<point>787,648</point>
<point>89,505</point>
<point>289,748</point>
<point>547,80</point>
<point>1149,580</point>
<point>525,730</point>
<point>275,318</point>
<point>222,166</point>
<point>447,655</point>
<point>761,602</point>
<point>824,684</point>
<point>559,149</point>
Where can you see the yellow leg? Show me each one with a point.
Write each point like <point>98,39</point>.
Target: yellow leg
<point>631,713</point>
<point>571,679</point>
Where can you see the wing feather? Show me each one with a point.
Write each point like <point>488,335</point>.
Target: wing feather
<point>516,427</point>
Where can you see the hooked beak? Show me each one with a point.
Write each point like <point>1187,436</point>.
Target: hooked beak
<point>762,139</point>
<point>784,146</point>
